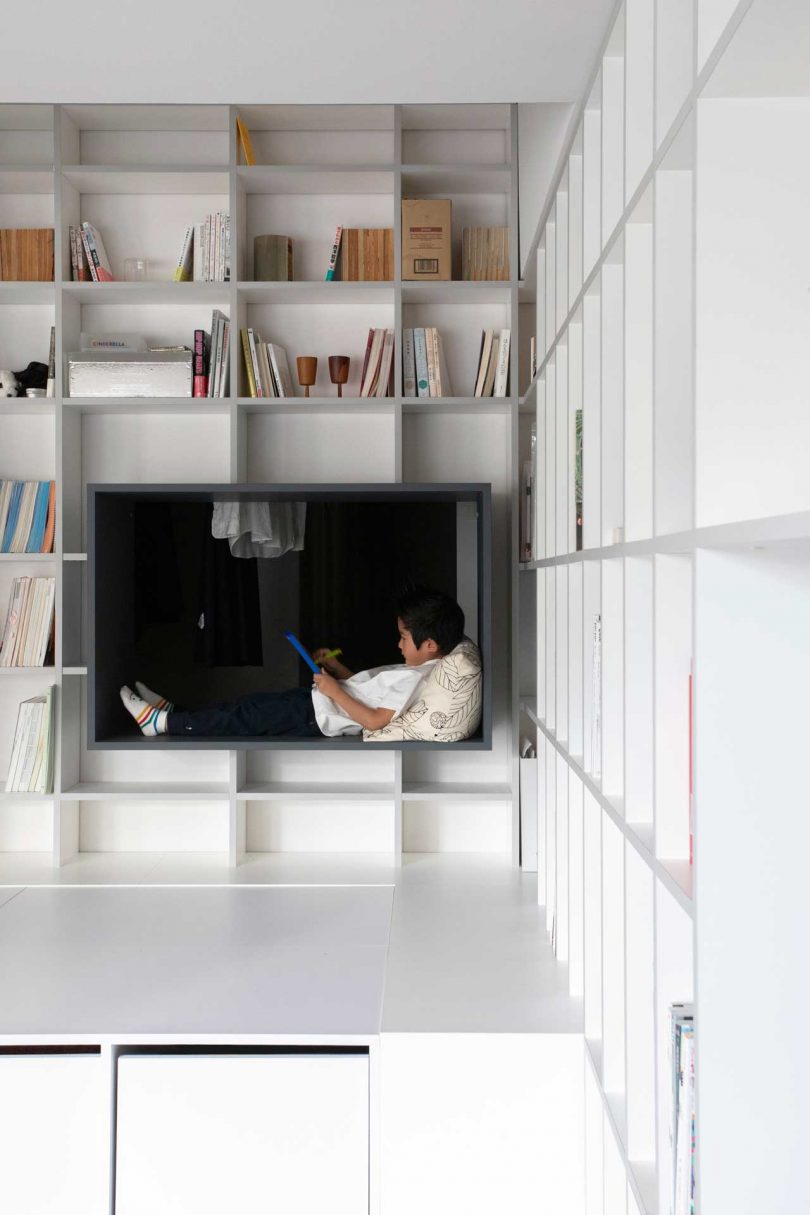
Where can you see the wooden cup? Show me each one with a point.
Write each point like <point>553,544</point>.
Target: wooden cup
<point>307,371</point>
<point>339,370</point>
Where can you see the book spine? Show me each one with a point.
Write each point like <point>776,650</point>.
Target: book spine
<point>248,362</point>
<point>92,262</point>
<point>182,270</point>
<point>502,372</point>
<point>437,363</point>
<point>50,388</point>
<point>432,363</point>
<point>333,257</point>
<point>420,356</point>
<point>408,364</point>
<point>200,383</point>
<point>254,361</point>
<point>225,367</point>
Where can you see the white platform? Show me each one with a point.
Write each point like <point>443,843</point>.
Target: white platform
<point>447,944</point>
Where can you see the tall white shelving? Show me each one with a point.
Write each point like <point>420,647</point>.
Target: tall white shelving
<point>667,286</point>
<point>142,174</point>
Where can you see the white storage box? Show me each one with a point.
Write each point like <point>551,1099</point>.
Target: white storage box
<point>158,373</point>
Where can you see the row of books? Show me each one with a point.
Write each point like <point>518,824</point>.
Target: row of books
<point>424,368</point>
<point>27,516</point>
<point>682,1108</point>
<point>377,379</point>
<point>206,253</point>
<point>28,632</point>
<point>26,255</point>
<point>362,255</point>
<point>31,767</point>
<point>492,377</point>
<point>266,366</point>
<point>88,257</point>
<point>485,254</point>
<point>211,363</point>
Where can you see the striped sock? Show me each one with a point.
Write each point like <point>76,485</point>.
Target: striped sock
<point>150,719</point>
<point>152,698</point>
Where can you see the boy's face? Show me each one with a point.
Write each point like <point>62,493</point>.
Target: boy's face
<point>415,655</point>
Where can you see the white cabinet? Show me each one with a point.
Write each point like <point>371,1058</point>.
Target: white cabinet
<point>200,1134</point>
<point>53,1135</point>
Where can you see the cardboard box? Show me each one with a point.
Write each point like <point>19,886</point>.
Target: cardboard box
<point>426,245</point>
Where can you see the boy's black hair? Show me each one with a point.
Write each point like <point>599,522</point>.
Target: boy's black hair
<point>427,613</point>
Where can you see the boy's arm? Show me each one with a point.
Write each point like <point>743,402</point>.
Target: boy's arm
<point>369,719</point>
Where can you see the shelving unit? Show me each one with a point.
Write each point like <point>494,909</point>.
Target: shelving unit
<point>142,174</point>
<point>653,317</point>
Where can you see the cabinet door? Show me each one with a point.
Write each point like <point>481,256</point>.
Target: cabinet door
<point>54,1145</point>
<point>203,1134</point>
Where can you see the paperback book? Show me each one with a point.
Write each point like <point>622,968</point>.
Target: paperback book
<point>30,769</point>
<point>27,516</point>
<point>27,639</point>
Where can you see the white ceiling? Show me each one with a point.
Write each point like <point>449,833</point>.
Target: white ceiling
<point>301,50</point>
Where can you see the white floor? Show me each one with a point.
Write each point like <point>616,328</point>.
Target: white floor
<point>330,947</point>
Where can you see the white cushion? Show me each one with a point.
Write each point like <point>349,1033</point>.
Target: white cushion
<point>447,706</point>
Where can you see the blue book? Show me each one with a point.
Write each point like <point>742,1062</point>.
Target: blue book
<point>37,533</point>
<point>293,640</point>
<point>420,356</point>
<point>11,521</point>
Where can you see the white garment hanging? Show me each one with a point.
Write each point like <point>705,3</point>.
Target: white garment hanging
<point>260,529</point>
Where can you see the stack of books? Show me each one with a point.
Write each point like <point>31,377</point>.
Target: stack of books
<point>682,1107</point>
<point>28,633</point>
<point>366,254</point>
<point>27,516</point>
<point>485,254</point>
<point>424,369</point>
<point>31,766</point>
<point>210,255</point>
<point>492,379</point>
<point>377,379</point>
<point>211,361</point>
<point>26,255</point>
<point>268,372</point>
<point>88,257</point>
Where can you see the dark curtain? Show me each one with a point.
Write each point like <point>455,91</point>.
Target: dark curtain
<point>229,632</point>
<point>357,558</point>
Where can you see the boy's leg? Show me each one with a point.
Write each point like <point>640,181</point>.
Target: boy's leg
<point>261,713</point>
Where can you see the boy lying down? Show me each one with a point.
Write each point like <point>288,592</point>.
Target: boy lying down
<point>430,623</point>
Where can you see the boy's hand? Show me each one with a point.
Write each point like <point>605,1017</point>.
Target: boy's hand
<point>332,665</point>
<point>326,684</point>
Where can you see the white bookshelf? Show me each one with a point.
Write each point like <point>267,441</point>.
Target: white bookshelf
<point>142,174</point>
<point>669,300</point>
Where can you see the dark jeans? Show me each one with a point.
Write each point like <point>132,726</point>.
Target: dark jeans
<point>287,713</point>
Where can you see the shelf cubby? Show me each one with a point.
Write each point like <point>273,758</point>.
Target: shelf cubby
<point>144,135</point>
<point>674,71</point>
<point>674,310</point>
<point>674,984</point>
<point>561,841</point>
<point>550,304</point>
<point>613,692</point>
<point>613,964</point>
<point>576,660</point>
<point>561,230</point>
<point>27,137</point>
<point>673,666</point>
<point>592,178</point>
<point>575,215</point>
<point>576,887</point>
<point>639,36</point>
<point>613,109</point>
<point>592,417</point>
<point>612,399</point>
<point>640,979</point>
<point>592,917</point>
<point>638,371</point>
<point>639,682</point>
<point>591,608</point>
